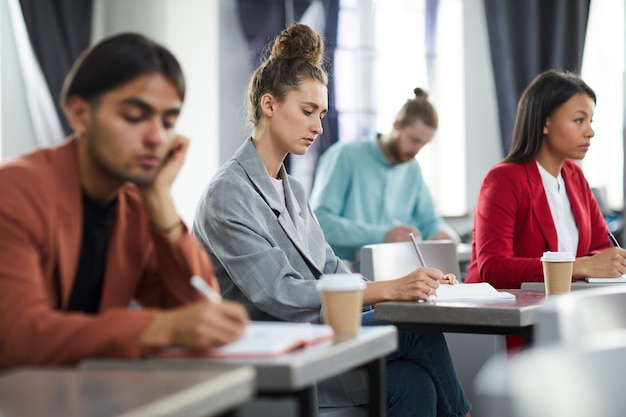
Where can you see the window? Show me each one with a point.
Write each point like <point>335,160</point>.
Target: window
<point>381,57</point>
<point>603,70</point>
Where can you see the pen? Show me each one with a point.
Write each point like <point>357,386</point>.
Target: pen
<point>205,289</point>
<point>613,240</point>
<point>417,250</point>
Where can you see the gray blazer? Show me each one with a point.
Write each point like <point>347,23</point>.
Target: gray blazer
<point>266,256</point>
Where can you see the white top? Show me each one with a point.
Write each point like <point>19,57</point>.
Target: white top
<point>561,210</point>
<point>278,184</point>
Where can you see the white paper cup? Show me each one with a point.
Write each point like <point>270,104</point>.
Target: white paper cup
<point>557,272</point>
<point>342,301</point>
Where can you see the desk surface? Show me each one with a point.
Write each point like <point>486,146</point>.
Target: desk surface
<point>69,392</point>
<point>576,285</point>
<point>292,371</point>
<point>489,317</point>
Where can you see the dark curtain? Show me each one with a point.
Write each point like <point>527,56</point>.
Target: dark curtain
<point>262,20</point>
<point>527,37</point>
<point>432,10</point>
<point>59,30</point>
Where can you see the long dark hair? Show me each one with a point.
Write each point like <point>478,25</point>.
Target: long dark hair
<point>543,96</point>
<point>117,60</point>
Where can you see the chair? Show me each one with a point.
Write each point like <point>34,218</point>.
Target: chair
<point>556,381</point>
<point>576,317</point>
<point>384,261</point>
<point>580,345</point>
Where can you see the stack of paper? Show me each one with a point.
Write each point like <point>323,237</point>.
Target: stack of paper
<point>463,292</point>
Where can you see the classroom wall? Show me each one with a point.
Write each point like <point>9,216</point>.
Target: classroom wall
<point>482,128</point>
<point>206,37</point>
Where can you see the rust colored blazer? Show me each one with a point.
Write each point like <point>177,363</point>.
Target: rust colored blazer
<point>513,224</point>
<point>40,241</point>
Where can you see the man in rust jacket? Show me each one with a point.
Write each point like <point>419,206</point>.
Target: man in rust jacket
<point>90,225</point>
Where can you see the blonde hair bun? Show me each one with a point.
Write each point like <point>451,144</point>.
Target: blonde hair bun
<point>299,42</point>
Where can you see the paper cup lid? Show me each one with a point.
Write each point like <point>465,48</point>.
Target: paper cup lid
<point>340,282</point>
<point>557,257</point>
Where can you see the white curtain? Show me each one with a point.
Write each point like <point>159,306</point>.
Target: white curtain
<point>45,122</point>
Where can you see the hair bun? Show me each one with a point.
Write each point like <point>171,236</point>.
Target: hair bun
<point>299,42</point>
<point>420,93</point>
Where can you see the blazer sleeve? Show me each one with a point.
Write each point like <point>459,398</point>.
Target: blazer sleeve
<point>503,223</point>
<point>237,227</point>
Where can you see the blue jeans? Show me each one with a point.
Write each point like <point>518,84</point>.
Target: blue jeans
<point>421,379</point>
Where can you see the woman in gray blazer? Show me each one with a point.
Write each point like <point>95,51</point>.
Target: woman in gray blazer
<point>268,248</point>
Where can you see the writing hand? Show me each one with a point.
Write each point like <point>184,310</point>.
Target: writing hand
<point>199,325</point>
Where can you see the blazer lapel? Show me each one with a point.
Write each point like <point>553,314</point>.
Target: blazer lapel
<point>289,216</point>
<point>540,207</point>
<point>70,216</point>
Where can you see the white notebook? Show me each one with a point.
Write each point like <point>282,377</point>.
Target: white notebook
<point>617,280</point>
<point>261,339</point>
<point>274,338</point>
<point>467,292</point>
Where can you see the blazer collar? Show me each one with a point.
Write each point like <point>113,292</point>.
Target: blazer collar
<point>540,206</point>
<point>257,174</point>
<point>64,159</point>
<point>289,216</point>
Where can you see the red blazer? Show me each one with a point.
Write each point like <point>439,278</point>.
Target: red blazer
<point>40,241</point>
<point>513,224</point>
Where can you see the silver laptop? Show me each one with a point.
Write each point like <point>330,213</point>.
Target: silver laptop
<point>386,261</point>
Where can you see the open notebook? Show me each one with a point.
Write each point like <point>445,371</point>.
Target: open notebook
<point>274,338</point>
<point>481,291</point>
<point>262,339</point>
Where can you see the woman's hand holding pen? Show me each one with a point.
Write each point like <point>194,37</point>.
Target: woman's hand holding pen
<point>610,263</point>
<point>417,285</point>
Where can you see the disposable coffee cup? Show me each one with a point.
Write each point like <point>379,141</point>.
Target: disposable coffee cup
<point>557,272</point>
<point>342,301</point>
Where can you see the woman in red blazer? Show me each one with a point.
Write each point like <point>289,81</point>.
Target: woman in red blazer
<point>538,199</point>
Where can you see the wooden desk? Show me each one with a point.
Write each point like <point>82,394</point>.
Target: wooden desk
<point>70,392</point>
<point>295,374</point>
<point>505,317</point>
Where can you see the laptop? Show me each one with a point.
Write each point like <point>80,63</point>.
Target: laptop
<point>384,261</point>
